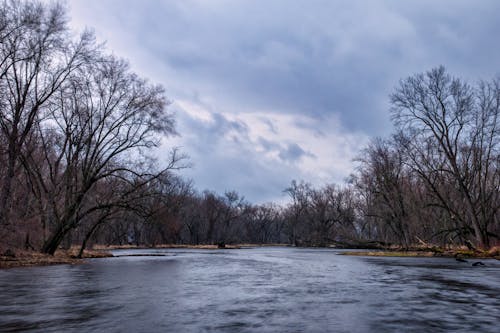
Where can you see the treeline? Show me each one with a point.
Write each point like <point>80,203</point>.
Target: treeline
<point>176,214</point>
<point>78,130</point>
<point>435,181</point>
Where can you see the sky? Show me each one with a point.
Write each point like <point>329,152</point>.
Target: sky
<point>266,92</point>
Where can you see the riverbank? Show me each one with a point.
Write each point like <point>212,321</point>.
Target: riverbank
<point>183,246</point>
<point>493,253</point>
<point>21,258</point>
<point>165,246</point>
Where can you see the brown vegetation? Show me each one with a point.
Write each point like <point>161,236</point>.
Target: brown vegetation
<point>457,252</point>
<point>23,258</point>
<point>166,246</point>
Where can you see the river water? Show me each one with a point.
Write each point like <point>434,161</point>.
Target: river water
<point>274,289</point>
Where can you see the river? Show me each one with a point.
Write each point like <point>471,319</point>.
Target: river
<point>269,289</point>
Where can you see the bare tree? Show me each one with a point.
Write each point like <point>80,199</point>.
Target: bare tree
<point>192,217</point>
<point>296,211</point>
<point>385,177</point>
<point>263,224</point>
<point>99,125</point>
<point>449,131</point>
<point>36,58</point>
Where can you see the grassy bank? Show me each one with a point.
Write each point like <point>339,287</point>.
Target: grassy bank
<point>459,252</point>
<point>182,246</point>
<point>163,246</point>
<point>20,258</point>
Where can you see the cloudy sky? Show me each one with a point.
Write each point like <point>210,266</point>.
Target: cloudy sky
<point>270,91</point>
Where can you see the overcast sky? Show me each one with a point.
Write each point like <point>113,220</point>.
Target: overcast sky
<point>270,91</point>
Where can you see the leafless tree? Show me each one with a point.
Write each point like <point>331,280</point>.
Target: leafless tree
<point>295,214</point>
<point>36,57</point>
<point>99,125</point>
<point>263,224</point>
<point>384,176</point>
<point>449,131</point>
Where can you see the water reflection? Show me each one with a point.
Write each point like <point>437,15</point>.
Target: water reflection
<point>252,290</point>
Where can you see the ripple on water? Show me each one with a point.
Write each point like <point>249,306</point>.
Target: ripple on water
<point>252,290</point>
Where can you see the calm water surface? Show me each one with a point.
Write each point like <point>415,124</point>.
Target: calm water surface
<point>252,290</point>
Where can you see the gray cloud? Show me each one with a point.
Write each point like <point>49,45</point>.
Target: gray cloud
<point>224,158</point>
<point>268,145</point>
<point>293,152</point>
<point>334,62</point>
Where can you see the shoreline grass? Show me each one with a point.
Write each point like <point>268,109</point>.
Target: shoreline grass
<point>22,258</point>
<point>493,253</point>
<point>183,246</point>
<point>62,257</point>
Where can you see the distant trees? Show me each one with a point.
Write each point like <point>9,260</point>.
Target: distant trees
<point>384,176</point>
<point>319,217</point>
<point>264,224</point>
<point>296,212</point>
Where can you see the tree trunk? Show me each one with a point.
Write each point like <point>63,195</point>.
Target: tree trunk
<point>87,237</point>
<point>52,243</point>
<point>6,190</point>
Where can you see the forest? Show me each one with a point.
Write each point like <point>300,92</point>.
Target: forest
<point>78,137</point>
